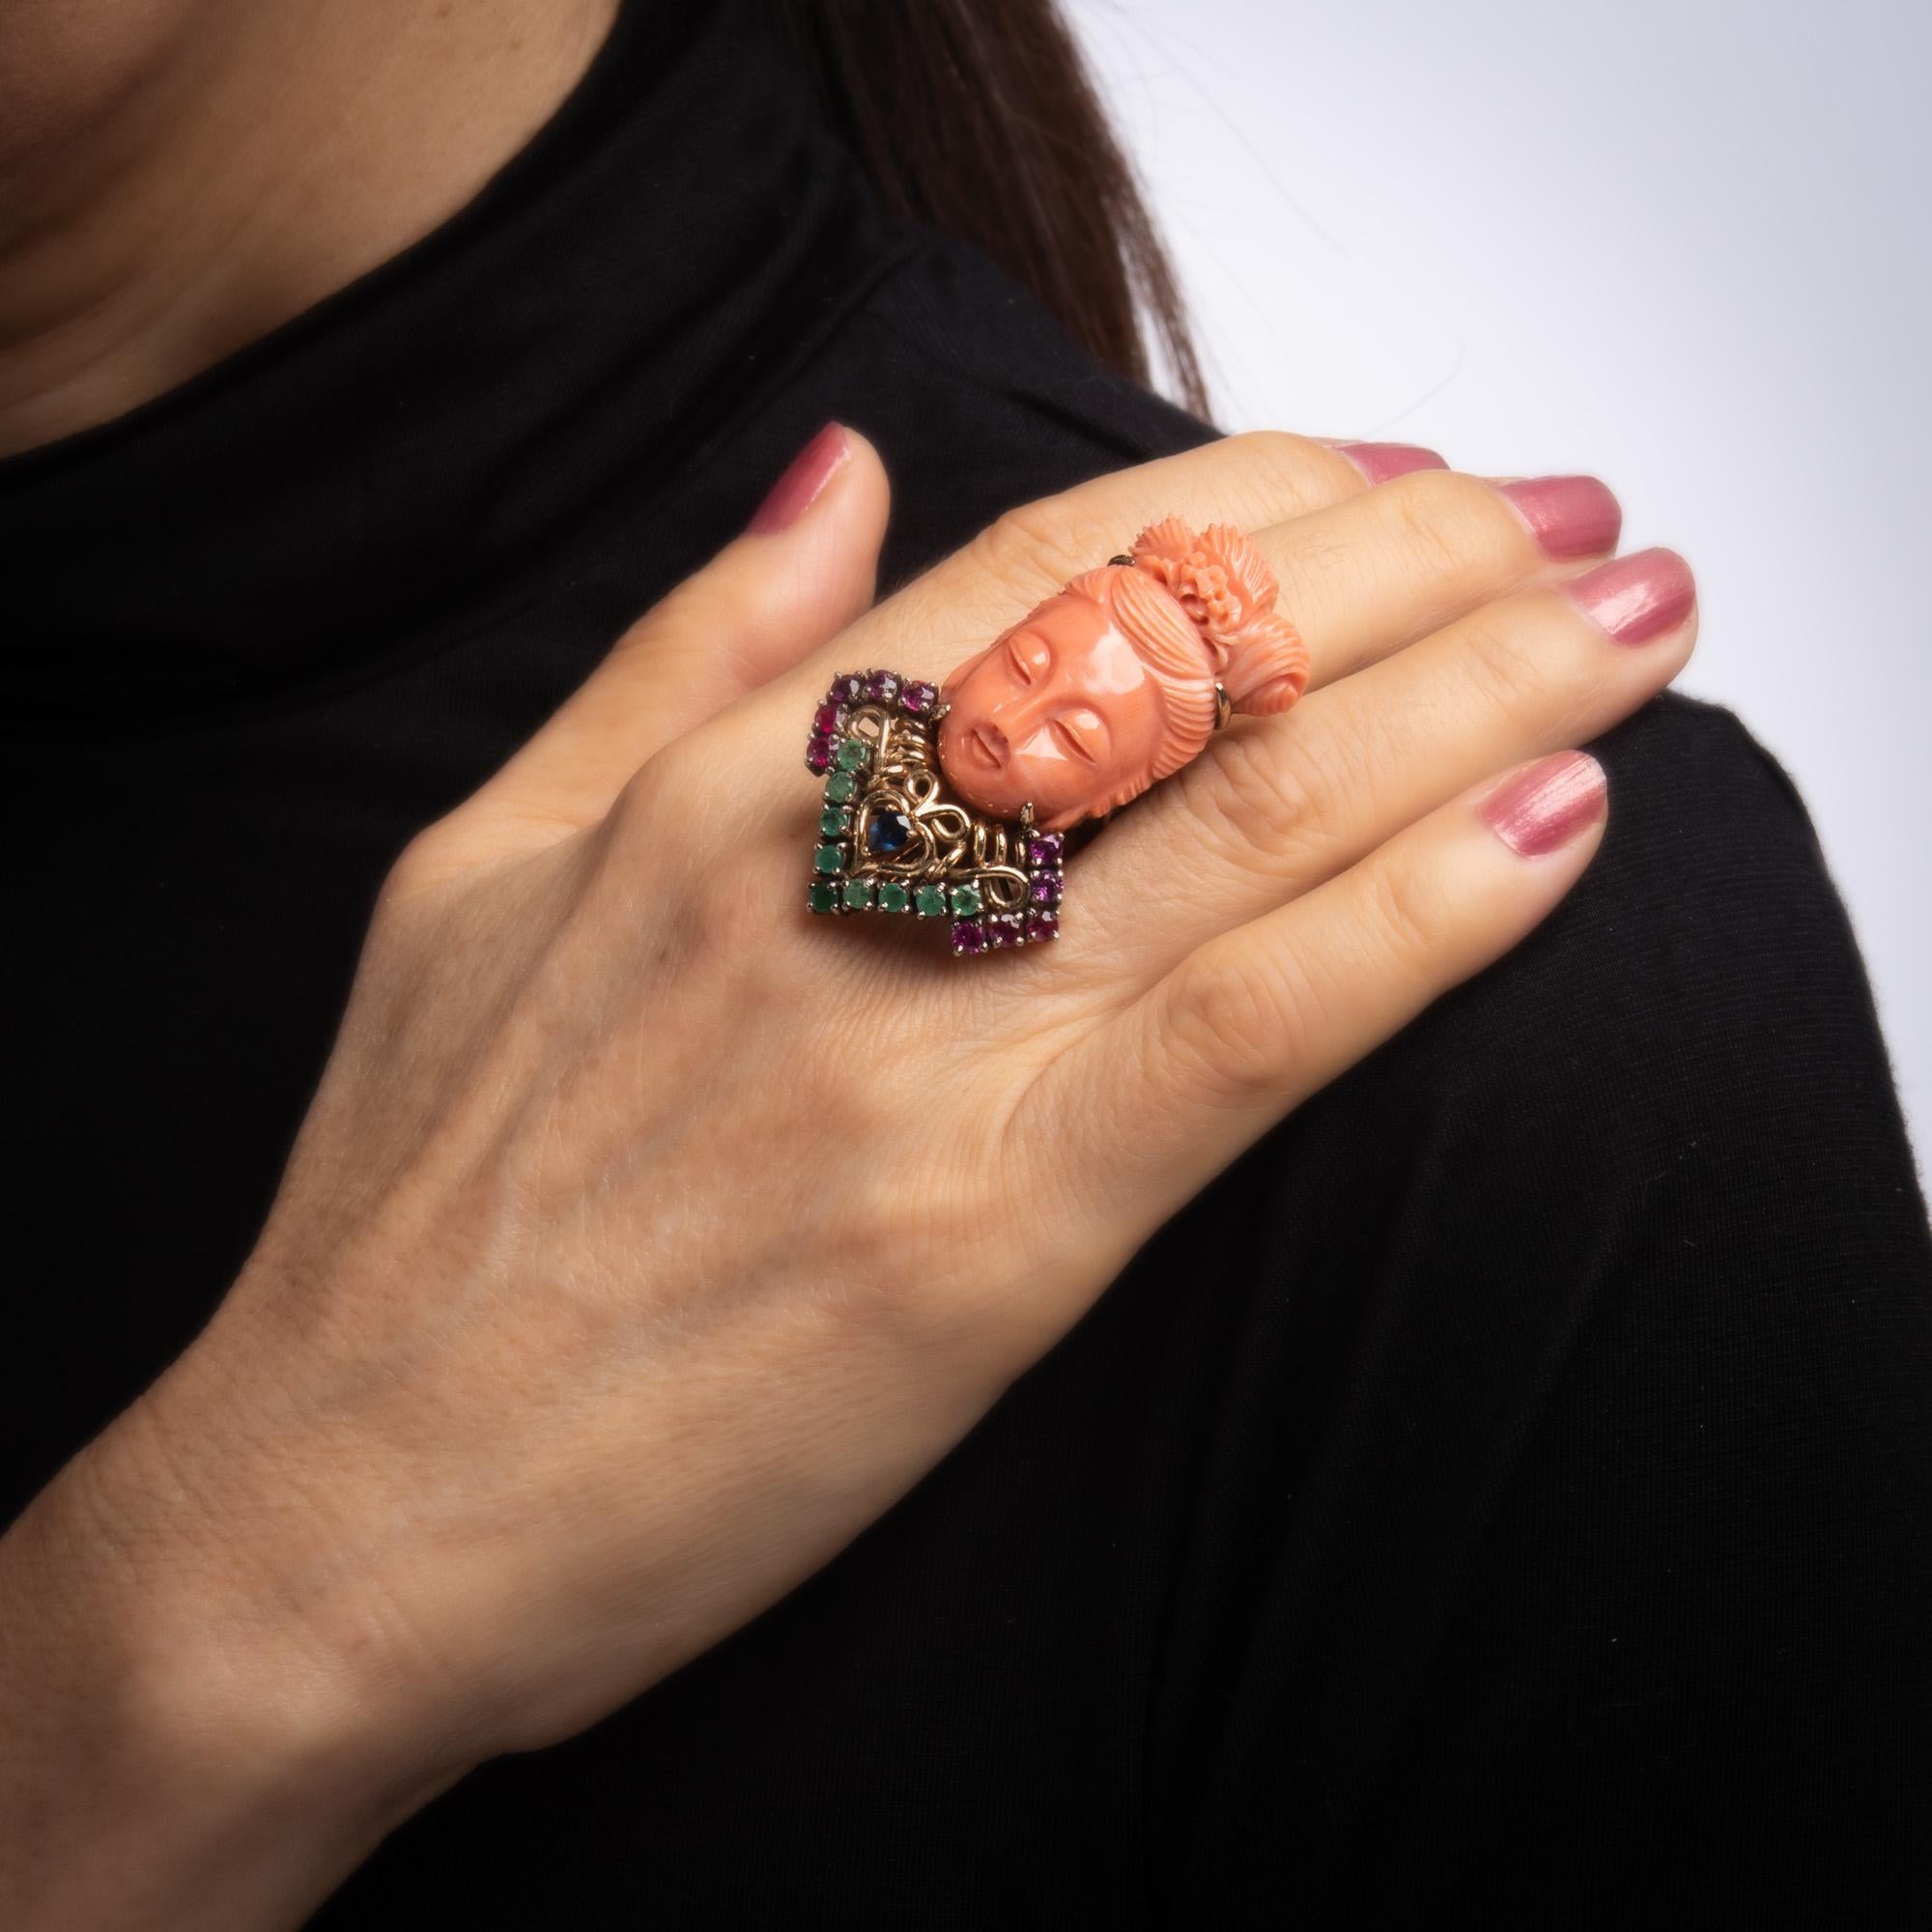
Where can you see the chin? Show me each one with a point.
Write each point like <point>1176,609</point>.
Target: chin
<point>985,792</point>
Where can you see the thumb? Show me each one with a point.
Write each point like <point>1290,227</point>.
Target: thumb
<point>803,570</point>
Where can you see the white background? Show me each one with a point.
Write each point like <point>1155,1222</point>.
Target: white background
<point>1682,246</point>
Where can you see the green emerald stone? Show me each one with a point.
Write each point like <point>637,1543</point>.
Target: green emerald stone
<point>929,901</point>
<point>894,897</point>
<point>840,788</point>
<point>965,900</point>
<point>822,898</point>
<point>834,821</point>
<point>852,753</point>
<point>858,893</point>
<point>827,859</point>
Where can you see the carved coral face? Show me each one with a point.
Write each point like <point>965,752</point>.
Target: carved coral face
<point>1060,712</point>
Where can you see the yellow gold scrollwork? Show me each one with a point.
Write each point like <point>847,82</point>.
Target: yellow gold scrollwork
<point>947,842</point>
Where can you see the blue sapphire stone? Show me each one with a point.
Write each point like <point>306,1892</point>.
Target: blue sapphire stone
<point>888,832</point>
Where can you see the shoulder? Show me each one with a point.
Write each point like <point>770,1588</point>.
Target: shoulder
<point>1705,959</point>
<point>979,400</point>
<point>1680,1076</point>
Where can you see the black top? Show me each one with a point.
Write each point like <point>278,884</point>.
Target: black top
<point>1503,1500</point>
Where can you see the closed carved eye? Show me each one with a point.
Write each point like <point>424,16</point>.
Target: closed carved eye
<point>1029,657</point>
<point>1072,741</point>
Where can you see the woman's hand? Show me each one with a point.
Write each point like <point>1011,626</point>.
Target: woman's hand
<point>648,1237</point>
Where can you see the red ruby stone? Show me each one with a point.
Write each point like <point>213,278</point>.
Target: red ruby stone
<point>848,687</point>
<point>1042,926</point>
<point>1045,849</point>
<point>881,686</point>
<point>919,698</point>
<point>828,718</point>
<point>818,755</point>
<point>1005,930</point>
<point>1046,889</point>
<point>968,936</point>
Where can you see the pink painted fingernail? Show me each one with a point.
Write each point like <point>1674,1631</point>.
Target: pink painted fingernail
<point>1636,598</point>
<point>1548,804</point>
<point>1380,461</point>
<point>798,489</point>
<point>1569,516</point>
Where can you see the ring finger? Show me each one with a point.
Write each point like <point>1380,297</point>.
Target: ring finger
<point>1363,578</point>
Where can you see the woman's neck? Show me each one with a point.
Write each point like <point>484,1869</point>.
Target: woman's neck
<point>178,176</point>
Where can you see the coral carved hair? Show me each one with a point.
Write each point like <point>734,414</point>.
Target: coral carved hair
<point>1223,583</point>
<point>1198,612</point>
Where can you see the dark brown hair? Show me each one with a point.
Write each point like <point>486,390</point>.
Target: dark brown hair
<point>978,118</point>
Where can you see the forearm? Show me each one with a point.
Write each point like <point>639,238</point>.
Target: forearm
<point>163,1760</point>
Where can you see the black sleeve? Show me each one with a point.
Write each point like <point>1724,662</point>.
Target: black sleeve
<point>1561,1555</point>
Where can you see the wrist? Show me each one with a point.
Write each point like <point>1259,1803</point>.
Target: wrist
<point>173,1751</point>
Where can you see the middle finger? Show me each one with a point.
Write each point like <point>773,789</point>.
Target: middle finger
<point>1280,805</point>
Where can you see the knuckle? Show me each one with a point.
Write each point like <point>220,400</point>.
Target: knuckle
<point>1405,918</point>
<point>1231,1019</point>
<point>644,808</point>
<point>1292,803</point>
<point>710,613</point>
<point>1267,802</point>
<point>637,853</point>
<point>1033,544</point>
<point>1279,475</point>
<point>646,861</point>
<point>1449,529</point>
<point>1505,654</point>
